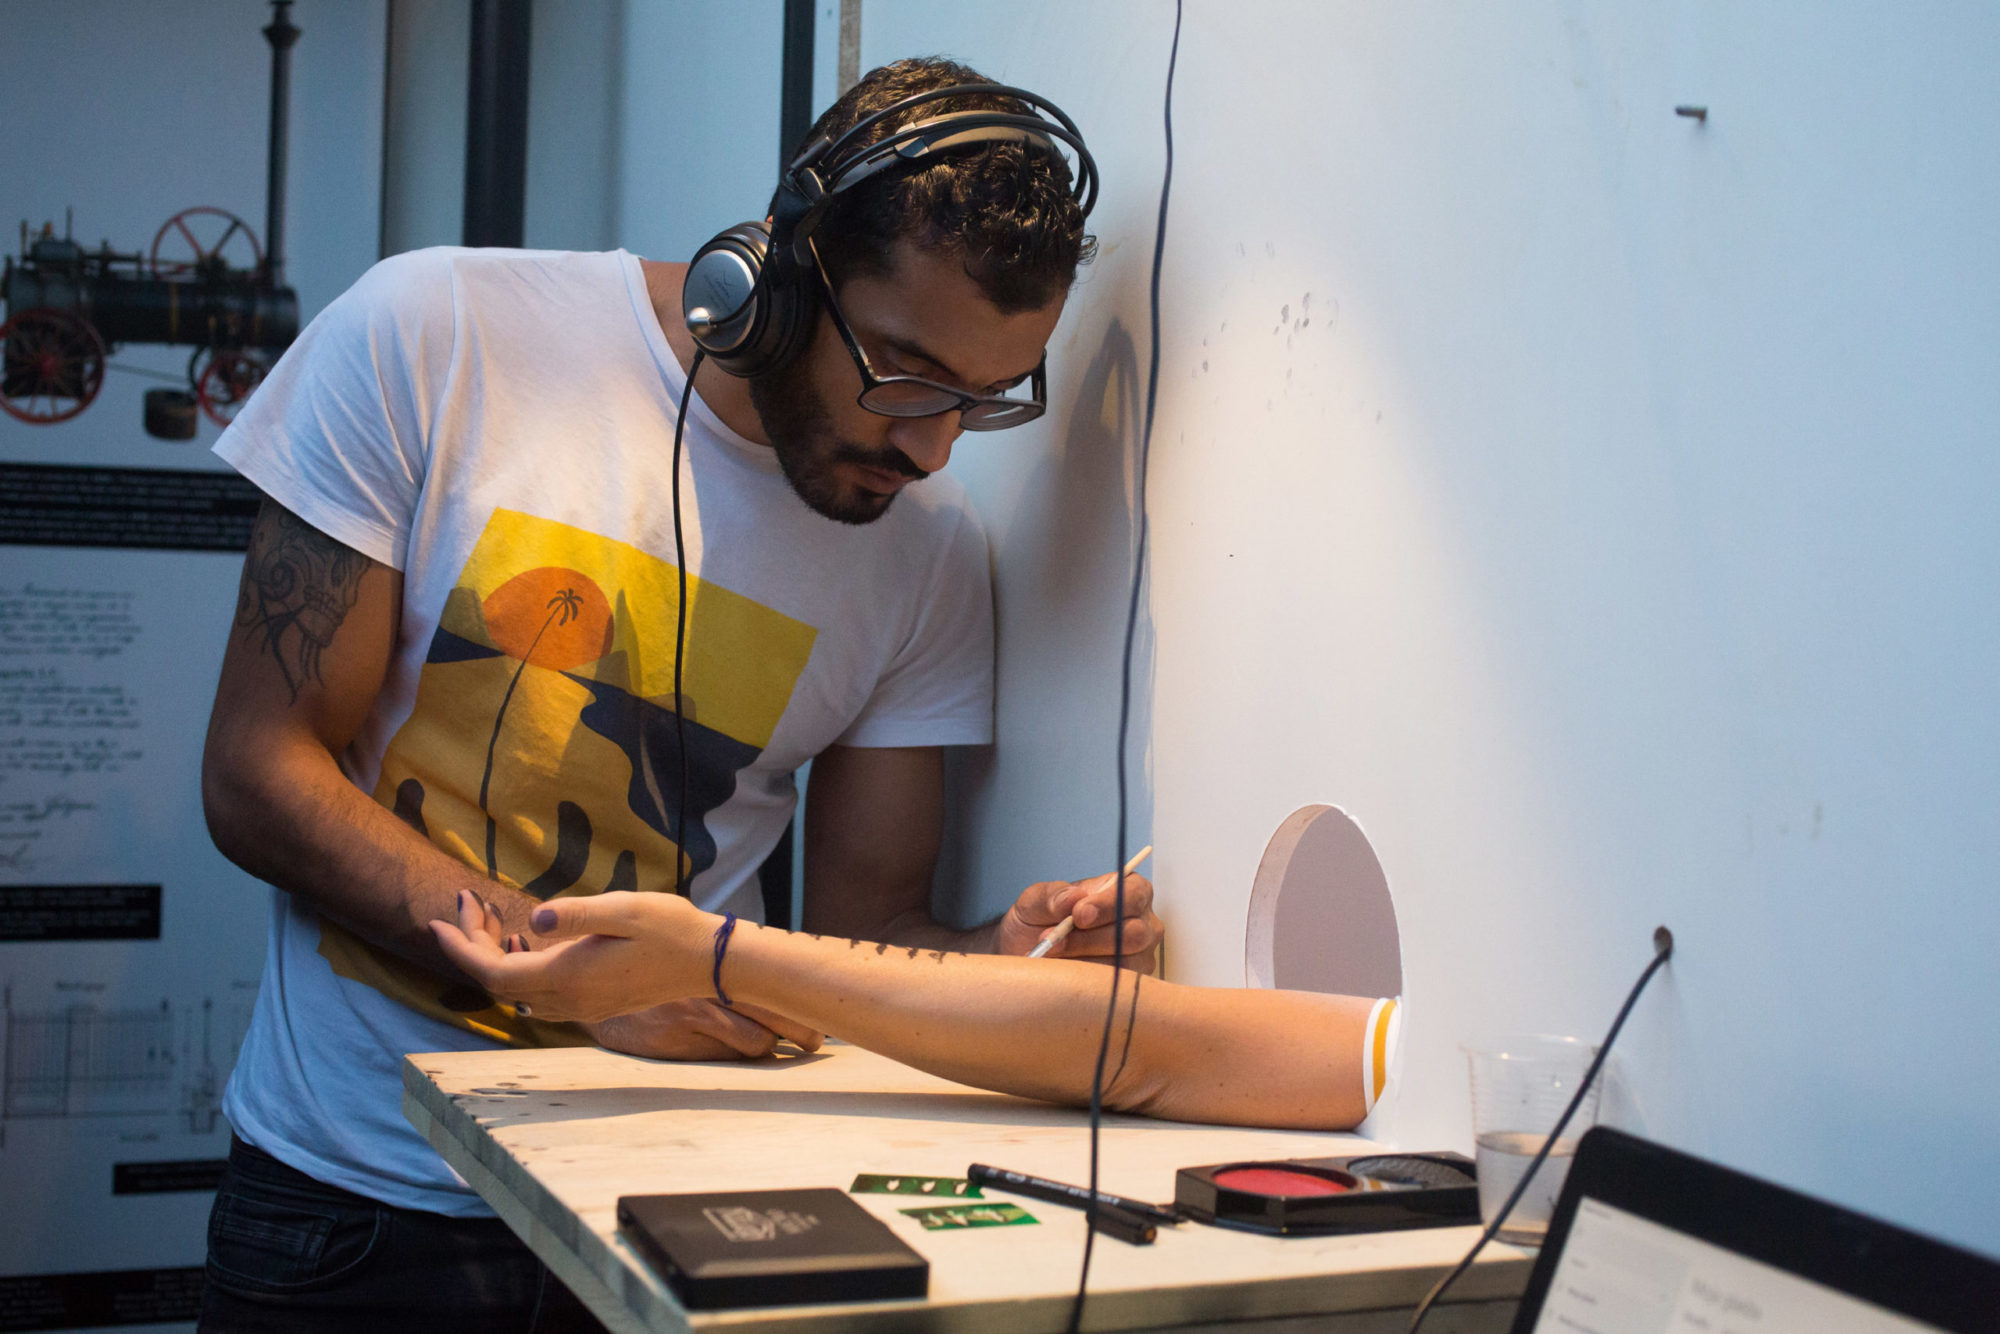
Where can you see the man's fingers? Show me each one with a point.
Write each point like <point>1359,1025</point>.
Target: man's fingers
<point>1141,935</point>
<point>1095,901</point>
<point>702,1047</point>
<point>808,1038</point>
<point>666,1033</point>
<point>1045,903</point>
<point>1147,961</point>
<point>742,1033</point>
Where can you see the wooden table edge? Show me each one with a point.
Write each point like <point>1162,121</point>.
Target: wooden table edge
<point>432,1112</point>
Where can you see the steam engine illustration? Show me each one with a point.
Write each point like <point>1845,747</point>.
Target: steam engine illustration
<point>205,282</point>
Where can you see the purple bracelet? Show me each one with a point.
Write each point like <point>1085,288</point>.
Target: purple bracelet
<point>722,934</point>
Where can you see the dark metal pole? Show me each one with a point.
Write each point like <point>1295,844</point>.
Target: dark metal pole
<point>795,117</point>
<point>795,96</point>
<point>281,34</point>
<point>496,124</point>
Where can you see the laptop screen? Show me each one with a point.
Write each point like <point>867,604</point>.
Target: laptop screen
<point>1648,1240</point>
<point>1623,1274</point>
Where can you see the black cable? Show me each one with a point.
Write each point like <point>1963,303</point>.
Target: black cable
<point>1663,950</point>
<point>1125,691</point>
<point>682,857</point>
<point>1131,1025</point>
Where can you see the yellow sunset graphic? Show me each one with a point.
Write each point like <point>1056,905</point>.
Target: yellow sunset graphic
<point>542,749</point>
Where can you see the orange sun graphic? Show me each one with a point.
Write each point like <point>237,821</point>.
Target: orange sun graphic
<point>552,617</point>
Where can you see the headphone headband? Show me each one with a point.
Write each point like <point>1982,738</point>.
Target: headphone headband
<point>1053,124</point>
<point>913,143</point>
<point>745,298</point>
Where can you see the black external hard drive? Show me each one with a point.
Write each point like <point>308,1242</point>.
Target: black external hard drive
<point>770,1248</point>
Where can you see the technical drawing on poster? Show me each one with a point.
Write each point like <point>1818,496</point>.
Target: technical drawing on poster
<point>86,1061</point>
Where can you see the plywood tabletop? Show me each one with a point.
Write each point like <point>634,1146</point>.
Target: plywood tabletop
<point>553,1137</point>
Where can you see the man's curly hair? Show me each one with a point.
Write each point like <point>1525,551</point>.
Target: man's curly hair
<point>1006,209</point>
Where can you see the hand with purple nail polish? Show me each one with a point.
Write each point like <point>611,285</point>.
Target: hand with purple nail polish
<point>635,969</point>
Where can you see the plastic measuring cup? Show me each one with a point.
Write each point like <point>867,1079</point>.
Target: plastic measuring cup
<point>1520,1086</point>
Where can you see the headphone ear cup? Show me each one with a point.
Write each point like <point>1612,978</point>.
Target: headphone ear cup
<point>792,309</point>
<point>745,304</point>
<point>721,296</point>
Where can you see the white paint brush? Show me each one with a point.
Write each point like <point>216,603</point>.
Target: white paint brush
<point>1068,924</point>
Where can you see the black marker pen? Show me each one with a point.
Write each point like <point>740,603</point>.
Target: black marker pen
<point>1056,1192</point>
<point>1125,1226</point>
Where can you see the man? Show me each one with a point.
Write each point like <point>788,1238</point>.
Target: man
<point>454,673</point>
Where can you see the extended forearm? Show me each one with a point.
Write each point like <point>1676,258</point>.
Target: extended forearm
<point>1025,1026</point>
<point>1034,1027</point>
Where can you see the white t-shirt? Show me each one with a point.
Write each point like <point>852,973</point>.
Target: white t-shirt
<point>498,425</point>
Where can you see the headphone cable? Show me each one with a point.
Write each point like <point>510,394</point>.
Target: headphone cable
<point>1125,691</point>
<point>1663,950</point>
<point>682,858</point>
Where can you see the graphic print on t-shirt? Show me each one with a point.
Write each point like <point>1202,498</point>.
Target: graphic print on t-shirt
<point>542,750</point>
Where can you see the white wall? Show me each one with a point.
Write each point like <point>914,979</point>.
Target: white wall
<point>698,122</point>
<point>575,85</point>
<point>651,126</point>
<point>1616,542</point>
<point>428,73</point>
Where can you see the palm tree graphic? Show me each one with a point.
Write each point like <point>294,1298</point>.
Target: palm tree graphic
<point>564,607</point>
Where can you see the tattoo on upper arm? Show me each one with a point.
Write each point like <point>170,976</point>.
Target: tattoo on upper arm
<point>298,586</point>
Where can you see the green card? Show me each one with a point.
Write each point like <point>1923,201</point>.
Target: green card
<point>957,1188</point>
<point>944,1216</point>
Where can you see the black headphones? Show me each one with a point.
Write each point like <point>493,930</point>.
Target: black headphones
<point>750,297</point>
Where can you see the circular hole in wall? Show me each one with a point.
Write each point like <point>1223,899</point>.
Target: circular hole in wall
<point>1321,917</point>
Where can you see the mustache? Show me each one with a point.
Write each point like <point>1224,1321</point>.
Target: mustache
<point>888,460</point>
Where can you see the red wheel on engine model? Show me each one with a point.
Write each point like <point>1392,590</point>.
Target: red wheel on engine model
<point>228,377</point>
<point>51,365</point>
<point>198,239</point>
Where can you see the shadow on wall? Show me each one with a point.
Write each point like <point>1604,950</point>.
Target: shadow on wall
<point>1043,802</point>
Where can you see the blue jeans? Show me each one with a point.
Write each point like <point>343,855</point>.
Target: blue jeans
<point>289,1253</point>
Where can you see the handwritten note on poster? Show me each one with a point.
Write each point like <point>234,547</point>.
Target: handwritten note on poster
<point>64,720</point>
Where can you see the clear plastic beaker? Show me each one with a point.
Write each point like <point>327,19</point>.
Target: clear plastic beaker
<point>1520,1086</point>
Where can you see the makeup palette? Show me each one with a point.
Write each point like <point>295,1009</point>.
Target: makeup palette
<point>1300,1196</point>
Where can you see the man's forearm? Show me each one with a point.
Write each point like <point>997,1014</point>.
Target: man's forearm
<point>291,818</point>
<point>923,931</point>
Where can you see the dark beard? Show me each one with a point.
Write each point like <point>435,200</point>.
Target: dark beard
<point>802,435</point>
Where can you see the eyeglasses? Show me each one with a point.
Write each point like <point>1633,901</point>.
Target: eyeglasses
<point>914,396</point>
